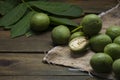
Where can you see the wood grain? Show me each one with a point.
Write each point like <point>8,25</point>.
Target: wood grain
<point>4,34</point>
<point>38,43</point>
<point>24,64</point>
<point>47,78</point>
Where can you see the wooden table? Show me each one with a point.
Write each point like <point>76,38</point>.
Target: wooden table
<point>21,58</point>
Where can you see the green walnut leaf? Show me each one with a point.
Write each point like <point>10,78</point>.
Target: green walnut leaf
<point>13,16</point>
<point>57,8</point>
<point>21,27</point>
<point>64,21</point>
<point>7,5</point>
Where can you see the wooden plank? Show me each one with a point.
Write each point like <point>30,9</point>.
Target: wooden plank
<point>24,64</point>
<point>4,34</point>
<point>47,78</point>
<point>92,6</point>
<point>37,43</point>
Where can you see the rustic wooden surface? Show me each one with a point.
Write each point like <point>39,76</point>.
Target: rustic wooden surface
<point>21,58</point>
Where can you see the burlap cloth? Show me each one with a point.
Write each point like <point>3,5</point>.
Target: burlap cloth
<point>61,55</point>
